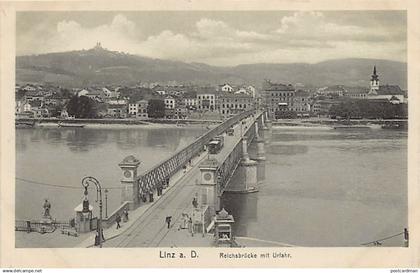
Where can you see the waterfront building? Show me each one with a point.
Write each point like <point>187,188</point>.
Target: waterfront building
<point>142,109</point>
<point>277,95</point>
<point>181,110</point>
<point>169,102</point>
<point>22,106</point>
<point>302,102</point>
<point>117,110</point>
<point>190,102</point>
<point>133,109</point>
<point>232,104</point>
<point>138,109</point>
<point>322,107</point>
<point>206,100</point>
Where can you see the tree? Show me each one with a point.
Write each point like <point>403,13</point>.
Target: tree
<point>82,107</point>
<point>156,108</point>
<point>369,109</point>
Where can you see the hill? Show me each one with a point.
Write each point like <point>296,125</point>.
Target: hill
<point>101,66</point>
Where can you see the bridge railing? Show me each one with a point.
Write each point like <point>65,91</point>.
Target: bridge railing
<point>156,176</point>
<point>39,226</point>
<point>231,163</point>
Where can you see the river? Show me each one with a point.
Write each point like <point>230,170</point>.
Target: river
<point>323,187</point>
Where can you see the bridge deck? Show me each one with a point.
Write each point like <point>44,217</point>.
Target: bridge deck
<point>150,229</point>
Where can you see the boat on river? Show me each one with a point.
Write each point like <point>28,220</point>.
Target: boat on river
<point>395,126</point>
<point>24,124</point>
<point>70,125</point>
<point>341,127</point>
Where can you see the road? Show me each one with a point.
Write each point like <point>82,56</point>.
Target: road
<point>150,229</point>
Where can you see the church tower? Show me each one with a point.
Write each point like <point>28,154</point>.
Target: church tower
<point>374,83</point>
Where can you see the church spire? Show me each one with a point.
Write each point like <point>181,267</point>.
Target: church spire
<point>374,83</point>
<point>374,75</point>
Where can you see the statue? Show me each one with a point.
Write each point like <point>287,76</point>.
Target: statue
<point>47,207</point>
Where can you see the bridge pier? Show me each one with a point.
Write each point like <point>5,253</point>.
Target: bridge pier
<point>260,156</point>
<point>263,120</point>
<point>245,178</point>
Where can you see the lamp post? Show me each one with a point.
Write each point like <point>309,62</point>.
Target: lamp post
<point>85,184</point>
<point>106,203</point>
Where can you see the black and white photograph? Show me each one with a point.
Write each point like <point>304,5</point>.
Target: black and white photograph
<point>211,128</point>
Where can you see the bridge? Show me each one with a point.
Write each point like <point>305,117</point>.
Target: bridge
<point>168,188</point>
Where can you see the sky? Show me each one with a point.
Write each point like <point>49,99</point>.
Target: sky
<point>222,38</point>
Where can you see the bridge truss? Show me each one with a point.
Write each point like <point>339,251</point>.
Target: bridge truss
<point>156,176</point>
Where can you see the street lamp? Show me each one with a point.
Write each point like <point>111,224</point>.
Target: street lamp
<point>106,203</point>
<point>85,184</point>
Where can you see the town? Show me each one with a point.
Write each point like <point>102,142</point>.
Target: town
<point>172,100</point>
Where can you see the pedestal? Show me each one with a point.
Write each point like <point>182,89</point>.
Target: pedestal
<point>208,195</point>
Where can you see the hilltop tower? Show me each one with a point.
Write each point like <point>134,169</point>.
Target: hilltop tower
<point>98,45</point>
<point>374,83</point>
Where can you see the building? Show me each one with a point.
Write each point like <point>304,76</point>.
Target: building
<point>133,109</point>
<point>335,90</point>
<point>302,102</point>
<point>278,95</point>
<point>142,109</point>
<point>232,104</point>
<point>392,93</point>
<point>191,102</point>
<point>138,109</point>
<point>169,102</point>
<point>181,109</point>
<point>82,92</point>
<point>117,110</point>
<point>252,91</point>
<point>206,101</point>
<point>322,107</point>
<point>226,88</point>
<point>357,92</point>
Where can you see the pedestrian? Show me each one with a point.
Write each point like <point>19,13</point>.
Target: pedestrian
<point>118,220</point>
<point>185,168</point>
<point>143,197</point>
<point>103,237</point>
<point>168,221</point>
<point>96,239</point>
<point>194,202</point>
<point>191,226</point>
<point>150,196</point>
<point>125,215</point>
<point>167,182</point>
<point>189,162</point>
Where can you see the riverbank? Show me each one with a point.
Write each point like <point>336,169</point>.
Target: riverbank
<point>329,123</point>
<point>127,121</point>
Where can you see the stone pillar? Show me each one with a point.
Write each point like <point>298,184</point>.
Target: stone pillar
<point>261,170</point>
<point>208,192</point>
<point>263,122</point>
<point>130,190</point>
<point>260,149</point>
<point>269,124</point>
<point>260,157</point>
<point>83,218</point>
<point>249,169</point>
